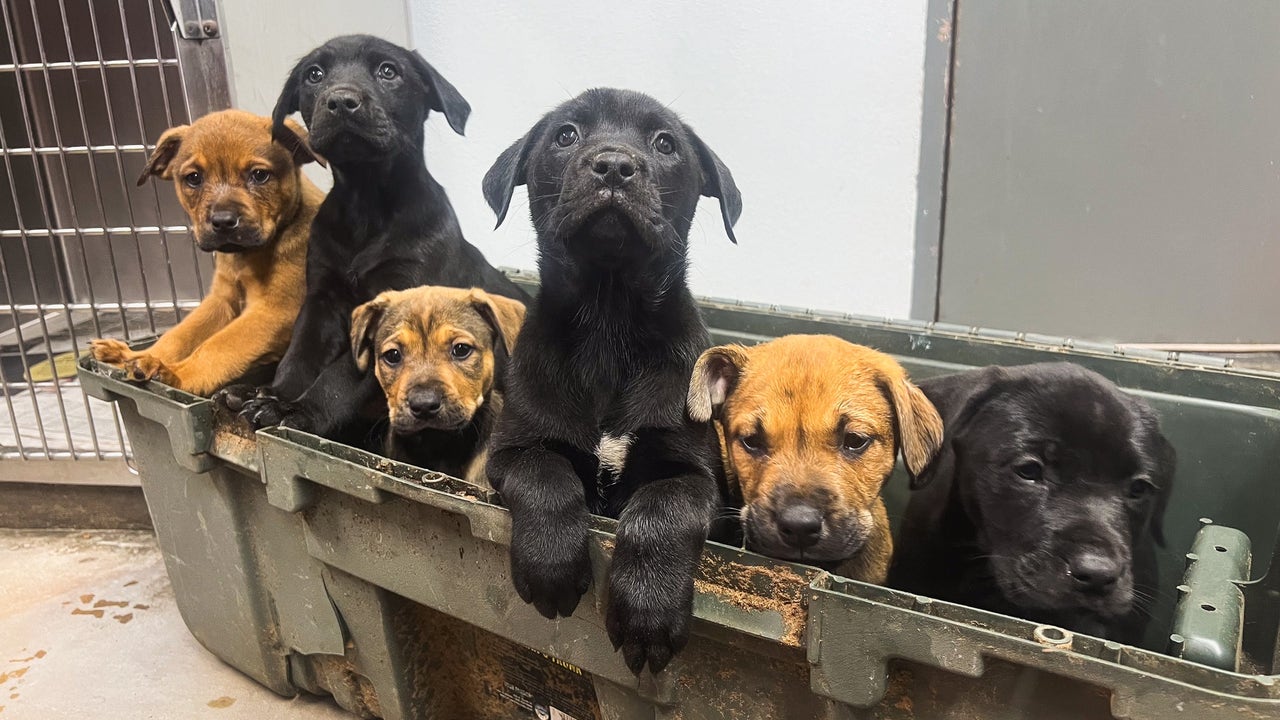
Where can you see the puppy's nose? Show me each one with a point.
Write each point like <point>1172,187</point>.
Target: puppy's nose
<point>800,525</point>
<point>224,220</point>
<point>343,102</point>
<point>425,403</point>
<point>614,168</point>
<point>1094,572</point>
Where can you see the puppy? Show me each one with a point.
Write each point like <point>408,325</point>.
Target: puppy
<point>386,225</point>
<point>809,428</point>
<point>438,354</point>
<point>251,206</point>
<point>1045,501</point>
<point>595,406</point>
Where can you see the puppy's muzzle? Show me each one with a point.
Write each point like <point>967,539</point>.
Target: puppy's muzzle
<point>615,169</point>
<point>1094,573</point>
<point>424,404</point>
<point>800,525</point>
<point>346,113</point>
<point>224,221</point>
<point>808,526</point>
<point>342,102</point>
<point>226,231</point>
<point>428,406</point>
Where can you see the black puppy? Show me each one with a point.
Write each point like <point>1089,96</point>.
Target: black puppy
<point>595,415</point>
<point>1045,501</point>
<point>385,225</point>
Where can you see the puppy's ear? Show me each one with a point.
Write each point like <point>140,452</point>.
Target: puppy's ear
<point>444,97</point>
<point>717,182</point>
<point>287,103</point>
<point>956,398</point>
<point>919,425</point>
<point>507,172</point>
<point>503,314</point>
<point>714,378</point>
<point>291,135</point>
<point>166,147</point>
<point>1166,467</point>
<point>364,326</point>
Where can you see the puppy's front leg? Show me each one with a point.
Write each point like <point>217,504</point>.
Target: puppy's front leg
<point>213,314</point>
<point>550,565</point>
<point>660,537</point>
<point>227,355</point>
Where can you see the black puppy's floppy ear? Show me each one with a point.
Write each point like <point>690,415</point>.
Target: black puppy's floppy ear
<point>956,398</point>
<point>293,138</point>
<point>714,378</point>
<point>364,326</point>
<point>161,158</point>
<point>717,182</point>
<point>444,97</point>
<point>507,172</point>
<point>1166,467</point>
<point>287,102</point>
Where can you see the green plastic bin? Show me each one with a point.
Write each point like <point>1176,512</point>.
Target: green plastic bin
<point>313,566</point>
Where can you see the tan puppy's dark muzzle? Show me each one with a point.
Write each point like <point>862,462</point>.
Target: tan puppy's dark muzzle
<point>810,427</point>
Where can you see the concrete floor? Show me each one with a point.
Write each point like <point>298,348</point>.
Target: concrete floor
<point>89,629</point>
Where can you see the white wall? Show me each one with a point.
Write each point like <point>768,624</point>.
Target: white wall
<point>815,106</point>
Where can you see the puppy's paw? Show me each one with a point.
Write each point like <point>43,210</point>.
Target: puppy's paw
<point>550,575</point>
<point>237,395</point>
<point>112,352</point>
<point>234,397</point>
<point>268,411</point>
<point>649,611</point>
<point>299,419</point>
<point>143,367</point>
<point>265,411</point>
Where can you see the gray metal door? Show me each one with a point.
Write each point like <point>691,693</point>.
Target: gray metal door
<point>1114,169</point>
<point>85,87</point>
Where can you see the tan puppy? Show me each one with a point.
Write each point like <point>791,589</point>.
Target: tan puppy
<point>810,426</point>
<point>250,205</point>
<point>439,354</point>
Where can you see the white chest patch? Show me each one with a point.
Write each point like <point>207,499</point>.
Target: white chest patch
<point>612,453</point>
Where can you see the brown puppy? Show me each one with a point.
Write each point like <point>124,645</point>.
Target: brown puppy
<point>810,426</point>
<point>252,207</point>
<point>439,354</point>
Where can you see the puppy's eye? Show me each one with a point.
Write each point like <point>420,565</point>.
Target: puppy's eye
<point>387,71</point>
<point>855,443</point>
<point>315,74</point>
<point>1030,470</point>
<point>392,357</point>
<point>193,179</point>
<point>461,351</point>
<point>753,444</point>
<point>566,136</point>
<point>259,176</point>
<point>664,143</point>
<point>1140,488</point>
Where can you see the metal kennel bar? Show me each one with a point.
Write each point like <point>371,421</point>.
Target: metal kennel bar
<point>86,86</point>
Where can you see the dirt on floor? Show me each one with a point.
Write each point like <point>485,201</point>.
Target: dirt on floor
<point>89,628</point>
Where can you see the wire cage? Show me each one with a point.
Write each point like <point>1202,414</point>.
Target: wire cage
<point>85,251</point>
